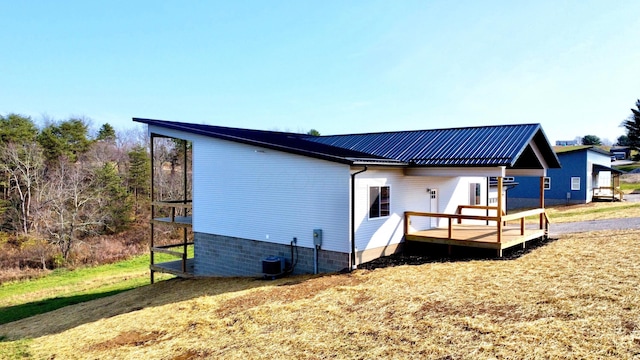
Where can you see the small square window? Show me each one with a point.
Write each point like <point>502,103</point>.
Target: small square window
<point>547,183</point>
<point>379,201</point>
<point>575,183</point>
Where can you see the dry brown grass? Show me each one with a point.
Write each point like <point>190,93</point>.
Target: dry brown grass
<point>578,297</point>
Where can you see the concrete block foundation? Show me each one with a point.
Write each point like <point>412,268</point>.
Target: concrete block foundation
<point>217,255</point>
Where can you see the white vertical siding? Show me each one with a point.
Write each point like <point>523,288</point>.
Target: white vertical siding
<point>593,180</point>
<point>266,195</point>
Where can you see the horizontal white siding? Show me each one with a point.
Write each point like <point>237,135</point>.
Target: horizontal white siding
<point>260,194</point>
<point>408,193</point>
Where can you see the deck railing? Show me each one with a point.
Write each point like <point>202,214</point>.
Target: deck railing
<point>500,221</point>
<point>608,192</point>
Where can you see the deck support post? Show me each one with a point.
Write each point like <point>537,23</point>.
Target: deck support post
<point>499,212</point>
<point>151,258</point>
<point>184,201</point>
<point>541,201</point>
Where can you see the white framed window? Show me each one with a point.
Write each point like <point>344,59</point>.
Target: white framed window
<point>379,201</point>
<point>474,194</point>
<point>547,183</point>
<point>575,183</point>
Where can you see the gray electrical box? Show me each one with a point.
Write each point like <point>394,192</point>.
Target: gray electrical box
<point>317,237</point>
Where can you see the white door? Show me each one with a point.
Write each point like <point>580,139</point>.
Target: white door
<point>433,206</point>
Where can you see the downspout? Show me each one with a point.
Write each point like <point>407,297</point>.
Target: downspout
<point>353,218</point>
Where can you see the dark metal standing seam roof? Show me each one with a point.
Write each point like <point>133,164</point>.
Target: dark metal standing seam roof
<point>597,168</point>
<point>282,141</point>
<point>473,146</point>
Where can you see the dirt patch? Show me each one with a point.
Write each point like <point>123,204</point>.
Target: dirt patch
<point>193,354</point>
<point>128,338</point>
<point>286,292</point>
<point>505,313</point>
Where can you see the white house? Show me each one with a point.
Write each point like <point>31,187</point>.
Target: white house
<point>329,203</point>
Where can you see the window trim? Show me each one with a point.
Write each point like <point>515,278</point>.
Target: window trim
<point>547,183</point>
<point>575,186</point>
<point>381,202</point>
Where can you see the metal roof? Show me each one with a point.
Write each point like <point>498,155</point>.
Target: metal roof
<point>282,141</point>
<point>506,145</point>
<point>596,168</point>
<point>472,146</point>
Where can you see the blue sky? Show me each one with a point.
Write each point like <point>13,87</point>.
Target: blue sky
<point>336,66</point>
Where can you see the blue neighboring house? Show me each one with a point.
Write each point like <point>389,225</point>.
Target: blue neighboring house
<point>586,175</point>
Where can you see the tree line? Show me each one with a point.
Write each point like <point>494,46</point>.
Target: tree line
<point>631,125</point>
<point>59,185</point>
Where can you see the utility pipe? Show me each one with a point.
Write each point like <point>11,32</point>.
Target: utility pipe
<point>353,218</point>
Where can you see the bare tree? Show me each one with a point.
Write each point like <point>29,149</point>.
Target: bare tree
<point>73,207</point>
<point>24,166</point>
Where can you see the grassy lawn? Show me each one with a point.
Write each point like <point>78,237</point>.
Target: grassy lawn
<point>628,168</point>
<point>593,211</point>
<point>576,297</point>
<point>66,287</point>
<point>629,188</point>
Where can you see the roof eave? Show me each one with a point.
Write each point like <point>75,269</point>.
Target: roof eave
<point>176,126</point>
<point>549,149</point>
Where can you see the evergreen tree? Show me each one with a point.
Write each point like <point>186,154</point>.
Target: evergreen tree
<point>68,138</point>
<point>632,125</point>
<point>106,133</point>
<point>623,140</point>
<point>113,197</point>
<point>591,140</point>
<point>139,176</point>
<point>17,129</point>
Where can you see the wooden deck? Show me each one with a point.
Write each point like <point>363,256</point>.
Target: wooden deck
<point>607,194</point>
<point>479,236</point>
<point>499,236</point>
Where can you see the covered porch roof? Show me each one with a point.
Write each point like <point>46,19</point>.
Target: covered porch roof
<point>597,168</point>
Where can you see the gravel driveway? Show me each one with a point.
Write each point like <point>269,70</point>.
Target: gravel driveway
<point>594,225</point>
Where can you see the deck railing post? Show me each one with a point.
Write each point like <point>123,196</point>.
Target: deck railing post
<point>499,210</point>
<point>541,202</point>
<point>406,223</point>
<point>152,190</point>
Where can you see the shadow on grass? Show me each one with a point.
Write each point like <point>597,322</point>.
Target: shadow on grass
<point>39,318</point>
<point>418,253</point>
<point>22,311</point>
